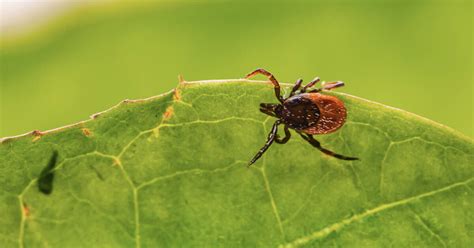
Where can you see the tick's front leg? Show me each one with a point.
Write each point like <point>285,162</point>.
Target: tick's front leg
<point>270,139</point>
<point>272,79</point>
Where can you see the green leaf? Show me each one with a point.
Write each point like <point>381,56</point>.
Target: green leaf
<point>170,171</point>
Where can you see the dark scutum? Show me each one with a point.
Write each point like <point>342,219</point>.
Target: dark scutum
<point>299,113</point>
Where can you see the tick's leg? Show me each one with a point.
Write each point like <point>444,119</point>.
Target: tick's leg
<point>315,90</point>
<point>333,85</point>
<point>316,144</point>
<point>329,86</point>
<point>271,78</point>
<point>310,84</point>
<point>270,139</point>
<point>296,87</point>
<point>285,139</point>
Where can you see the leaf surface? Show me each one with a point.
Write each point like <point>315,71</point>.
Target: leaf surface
<point>171,171</point>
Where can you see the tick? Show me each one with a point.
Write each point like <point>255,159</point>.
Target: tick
<point>306,111</point>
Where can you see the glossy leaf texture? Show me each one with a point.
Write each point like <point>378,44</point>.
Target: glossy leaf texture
<point>171,171</point>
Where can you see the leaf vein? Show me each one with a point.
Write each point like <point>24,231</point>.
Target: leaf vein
<point>184,172</point>
<point>272,201</point>
<point>425,226</point>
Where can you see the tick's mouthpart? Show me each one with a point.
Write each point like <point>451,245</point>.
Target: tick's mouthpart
<point>266,105</point>
<point>268,108</point>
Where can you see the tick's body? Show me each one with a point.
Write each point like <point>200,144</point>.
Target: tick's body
<point>313,113</point>
<point>308,113</point>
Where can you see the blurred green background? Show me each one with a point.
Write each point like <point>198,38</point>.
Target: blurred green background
<point>413,55</point>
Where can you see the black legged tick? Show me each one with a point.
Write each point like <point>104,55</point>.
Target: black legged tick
<point>306,111</point>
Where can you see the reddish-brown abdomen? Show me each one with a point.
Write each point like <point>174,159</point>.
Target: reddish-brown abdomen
<point>332,113</point>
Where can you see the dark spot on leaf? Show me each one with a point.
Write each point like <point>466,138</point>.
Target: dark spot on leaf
<point>45,181</point>
<point>26,210</point>
<point>97,172</point>
<point>86,131</point>
<point>94,116</point>
<point>176,95</point>
<point>168,113</point>
<point>37,135</point>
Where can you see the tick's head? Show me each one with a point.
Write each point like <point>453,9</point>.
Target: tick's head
<point>271,109</point>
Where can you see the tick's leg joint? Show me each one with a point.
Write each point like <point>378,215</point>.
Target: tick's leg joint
<point>285,139</point>
<point>272,79</point>
<point>310,84</point>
